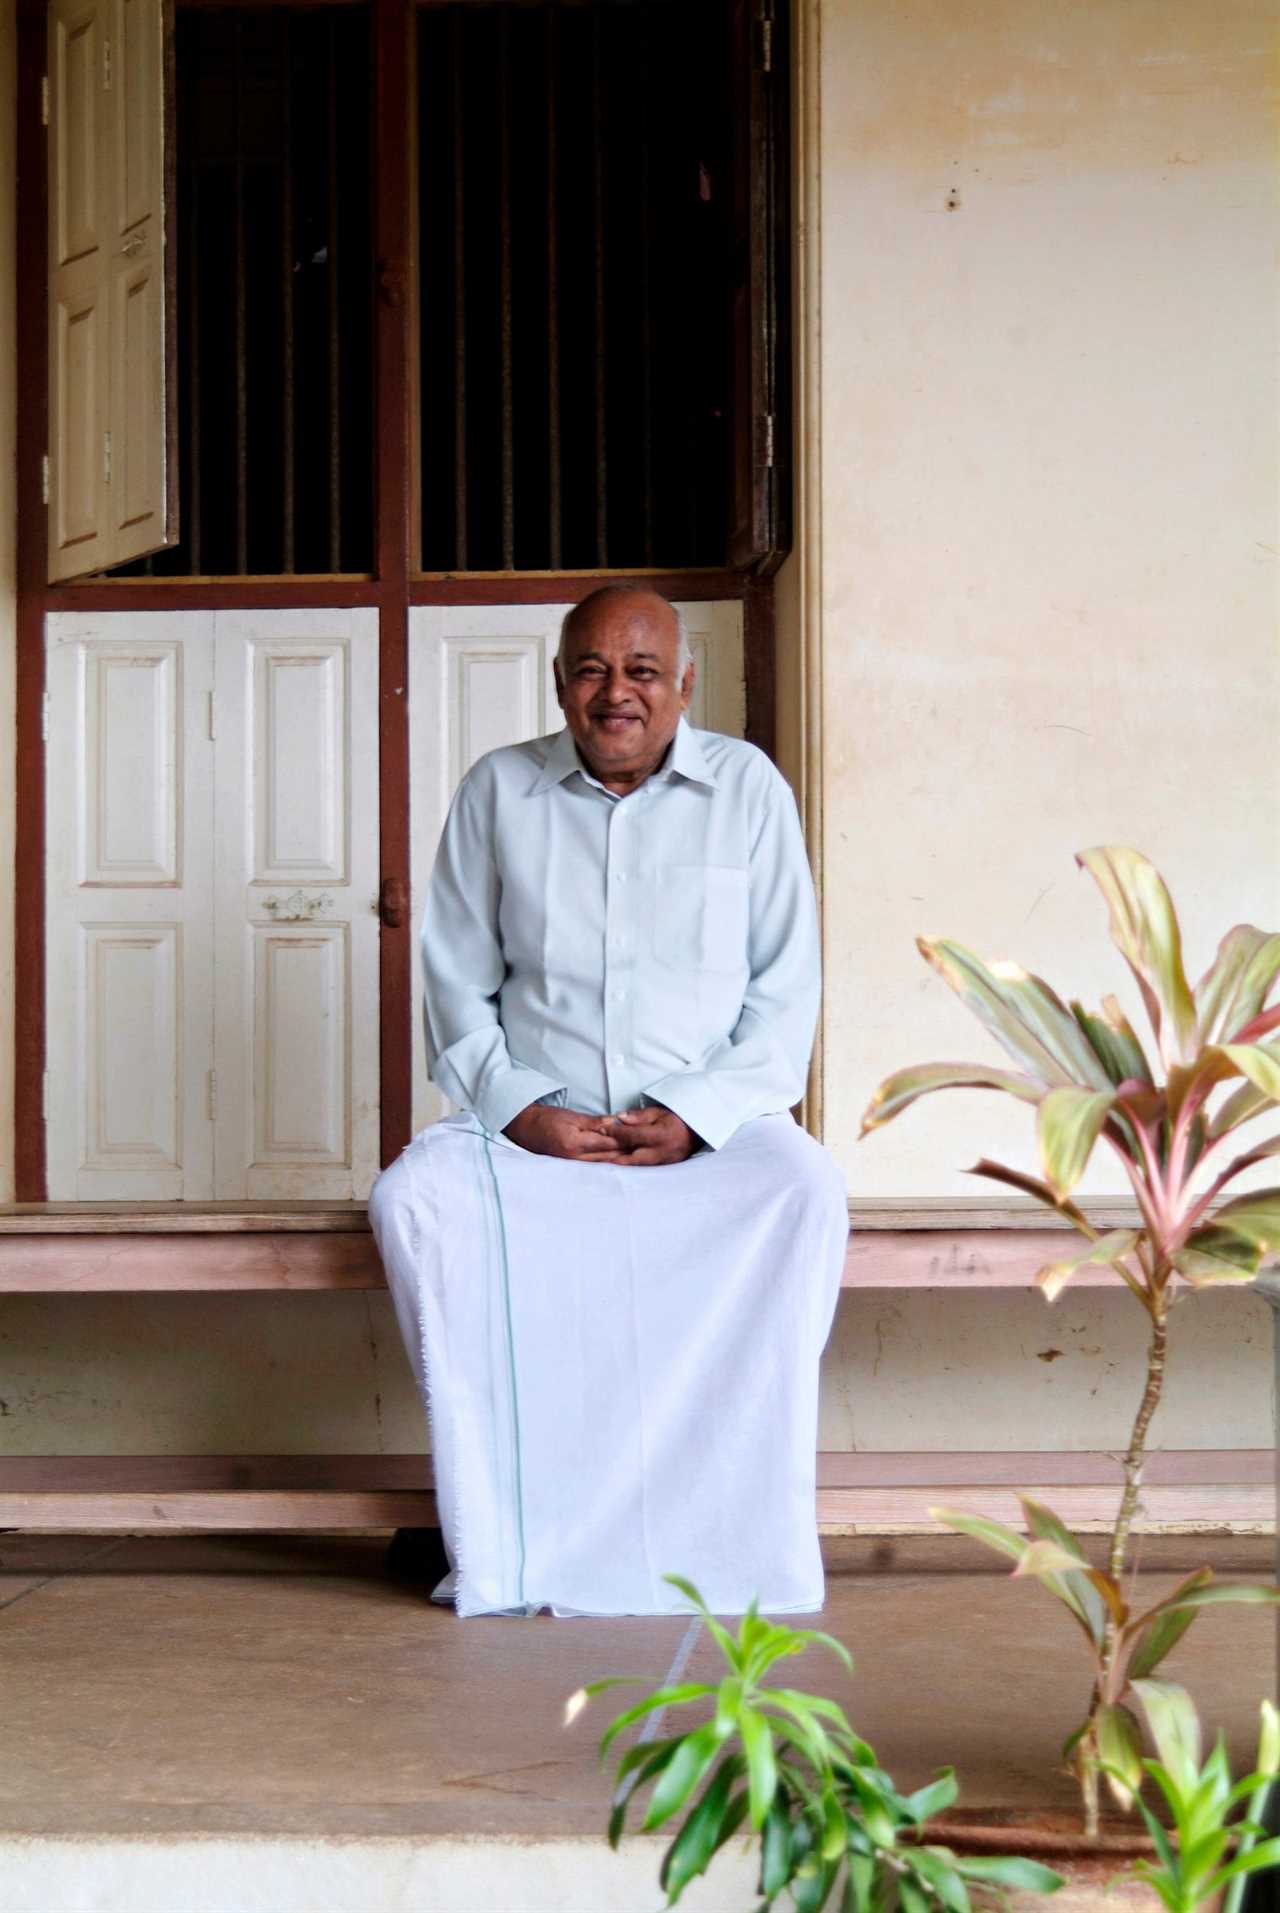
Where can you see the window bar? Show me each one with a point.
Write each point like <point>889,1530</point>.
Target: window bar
<point>193,340</point>
<point>504,291</point>
<point>331,283</point>
<point>459,307</point>
<point>242,385</point>
<point>646,292</point>
<point>553,307</point>
<point>597,206</point>
<point>288,557</point>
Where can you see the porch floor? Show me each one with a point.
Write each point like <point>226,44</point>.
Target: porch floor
<point>252,1688</point>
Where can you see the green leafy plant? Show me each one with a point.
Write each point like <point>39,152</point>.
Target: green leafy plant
<point>1207,1851</point>
<point>833,1829</point>
<point>1090,1080</point>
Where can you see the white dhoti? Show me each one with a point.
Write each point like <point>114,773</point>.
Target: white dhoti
<point>620,1365</point>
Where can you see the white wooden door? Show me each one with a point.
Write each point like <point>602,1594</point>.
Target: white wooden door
<point>295,908</point>
<point>481,676</point>
<point>130,962</point>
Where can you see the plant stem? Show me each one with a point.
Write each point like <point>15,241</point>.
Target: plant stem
<point>1133,1465</point>
<point>1135,1458</point>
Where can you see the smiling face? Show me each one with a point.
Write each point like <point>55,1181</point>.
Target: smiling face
<point>620,686</point>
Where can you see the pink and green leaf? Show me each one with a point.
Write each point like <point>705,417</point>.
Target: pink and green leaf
<point>1068,1124</point>
<point>1033,1186</point>
<point>1108,1250</point>
<point>1112,1040</point>
<point>906,1086</point>
<point>1021,1012</point>
<point>1144,927</point>
<point>1216,1255</point>
<point>1237,983</point>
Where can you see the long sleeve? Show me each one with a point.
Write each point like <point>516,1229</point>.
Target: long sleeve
<point>760,1068</point>
<point>467,1053</point>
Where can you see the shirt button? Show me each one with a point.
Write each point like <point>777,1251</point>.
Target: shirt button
<point>618,1061</point>
<point>622,876</point>
<point>619,996</point>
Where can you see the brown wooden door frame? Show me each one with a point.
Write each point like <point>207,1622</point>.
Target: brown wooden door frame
<point>394,586</point>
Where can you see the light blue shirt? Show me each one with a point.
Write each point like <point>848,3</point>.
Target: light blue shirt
<point>605,952</point>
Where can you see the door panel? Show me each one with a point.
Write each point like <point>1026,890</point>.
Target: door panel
<point>112,417</point>
<point>129,907</point>
<point>296,924</point>
<point>481,677</point>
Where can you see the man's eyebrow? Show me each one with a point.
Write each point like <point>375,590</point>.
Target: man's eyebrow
<point>632,657</point>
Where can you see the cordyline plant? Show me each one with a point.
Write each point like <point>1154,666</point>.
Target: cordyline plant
<point>786,1766</point>
<point>1091,1080</point>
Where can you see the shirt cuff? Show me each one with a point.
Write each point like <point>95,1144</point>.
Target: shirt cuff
<point>695,1102</point>
<point>506,1092</point>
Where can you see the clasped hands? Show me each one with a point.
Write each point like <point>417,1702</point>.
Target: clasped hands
<point>639,1136</point>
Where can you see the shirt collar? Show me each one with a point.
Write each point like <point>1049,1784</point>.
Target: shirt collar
<point>686,758</point>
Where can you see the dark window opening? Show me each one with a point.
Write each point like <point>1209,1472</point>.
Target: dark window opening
<point>275,273</point>
<point>575,204</point>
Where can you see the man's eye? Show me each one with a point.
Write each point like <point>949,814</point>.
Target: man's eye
<point>644,674</point>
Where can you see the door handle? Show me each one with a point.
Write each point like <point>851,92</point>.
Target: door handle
<point>393,903</point>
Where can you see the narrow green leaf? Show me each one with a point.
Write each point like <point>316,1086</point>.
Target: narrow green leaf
<point>1107,1251</point>
<point>721,1635</point>
<point>1156,1635</point>
<point>1258,1859</point>
<point>1237,983</point>
<point>906,1086</point>
<point>696,1841</point>
<point>937,1866</point>
<point>935,1798</point>
<point>1174,1725</point>
<point>682,1773</point>
<point>661,1697</point>
<point>993,1534</point>
<point>775,1849</point>
<point>811,1892</point>
<point>1144,928</point>
<point>1112,1040</point>
<point>1068,1124</point>
<point>809,1704</point>
<point>834,1836</point>
<point>1024,1015</point>
<point>1026,1876</point>
<point>1120,1752</point>
<point>910,1897</point>
<point>860,1883</point>
<point>728,1700</point>
<point>762,1767</point>
<point>646,1756</point>
<point>1268,1741</point>
<point>1246,1593</point>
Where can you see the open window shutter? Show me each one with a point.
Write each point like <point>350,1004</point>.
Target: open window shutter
<point>759,514</point>
<point>112,344</point>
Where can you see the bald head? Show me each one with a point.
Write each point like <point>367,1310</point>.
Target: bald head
<point>624,679</point>
<point>580,617</point>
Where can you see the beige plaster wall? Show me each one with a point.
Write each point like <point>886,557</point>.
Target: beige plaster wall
<point>1048,331</point>
<point>8,529</point>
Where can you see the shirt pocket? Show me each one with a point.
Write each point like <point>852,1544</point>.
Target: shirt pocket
<point>700,917</point>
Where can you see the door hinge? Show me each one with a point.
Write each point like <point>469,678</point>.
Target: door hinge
<point>44,717</point>
<point>213,725</point>
<point>44,99</point>
<point>768,441</point>
<point>213,1095</point>
<point>44,477</point>
<point>766,45</point>
<point>106,458</point>
<point>106,66</point>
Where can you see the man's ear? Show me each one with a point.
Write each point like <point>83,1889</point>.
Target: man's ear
<point>559,684</point>
<point>687,683</point>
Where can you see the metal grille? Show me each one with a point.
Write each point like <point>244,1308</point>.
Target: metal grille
<point>274,249</point>
<point>574,276</point>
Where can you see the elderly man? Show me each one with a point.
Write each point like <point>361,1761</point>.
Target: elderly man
<point>616,1268</point>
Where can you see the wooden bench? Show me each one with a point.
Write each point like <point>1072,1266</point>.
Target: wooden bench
<point>230,1248</point>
